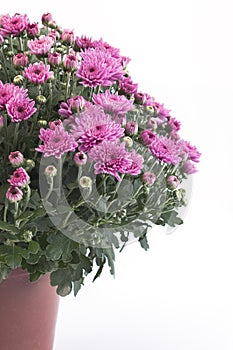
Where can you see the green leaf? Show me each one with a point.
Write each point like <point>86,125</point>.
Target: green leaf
<point>8,227</point>
<point>33,247</point>
<point>144,243</point>
<point>171,218</point>
<point>77,286</point>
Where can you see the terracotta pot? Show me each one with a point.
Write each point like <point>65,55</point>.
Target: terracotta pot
<point>28,312</point>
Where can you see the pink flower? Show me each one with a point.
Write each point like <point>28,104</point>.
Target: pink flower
<point>83,42</point>
<point>127,86</point>
<point>70,62</point>
<point>131,128</point>
<point>93,127</point>
<point>16,158</point>
<point>111,158</point>
<point>166,150</point>
<point>191,151</point>
<point>14,194</point>
<point>14,25</point>
<point>38,73</point>
<point>54,58</point>
<point>148,178</point>
<point>67,36</point>
<point>20,108</point>
<point>80,158</point>
<point>99,67</point>
<point>6,92</point>
<point>53,125</point>
<point>20,60</point>
<point>113,104</point>
<point>32,29</point>
<point>73,105</point>
<point>148,137</point>
<point>189,168</point>
<point>173,181</point>
<point>56,142</point>
<point>46,18</point>
<point>152,123</point>
<point>174,124</point>
<point>40,46</point>
<point>137,163</point>
<point>163,113</point>
<point>19,178</point>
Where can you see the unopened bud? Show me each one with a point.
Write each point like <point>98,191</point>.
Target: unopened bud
<point>128,141</point>
<point>50,171</point>
<point>41,123</point>
<point>18,79</point>
<point>27,235</point>
<point>41,99</point>
<point>30,164</point>
<point>85,182</point>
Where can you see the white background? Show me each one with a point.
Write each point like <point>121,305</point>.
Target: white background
<point>178,295</point>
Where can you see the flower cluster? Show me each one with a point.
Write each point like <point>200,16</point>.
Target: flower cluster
<point>78,139</point>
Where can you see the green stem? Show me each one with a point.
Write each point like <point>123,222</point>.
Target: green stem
<point>4,66</point>
<point>50,190</point>
<point>16,134</point>
<point>68,75</point>
<point>5,212</point>
<point>27,197</point>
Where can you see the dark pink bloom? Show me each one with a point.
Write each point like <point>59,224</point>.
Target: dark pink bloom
<point>113,104</point>
<point>131,128</point>
<point>166,150</point>
<point>80,158</point>
<point>32,29</point>
<point>20,60</point>
<point>175,124</point>
<point>102,45</point>
<point>93,126</point>
<point>189,168</point>
<point>14,25</point>
<point>137,163</point>
<point>56,142</point>
<point>40,46</point>
<point>6,92</point>
<point>55,124</point>
<point>38,73</point>
<point>83,42</point>
<point>54,58</point>
<point>148,178</point>
<point>127,86</point>
<point>19,178</point>
<point>148,137</point>
<point>16,158</point>
<point>70,62</point>
<point>67,36</point>
<point>98,67</point>
<point>111,158</point>
<point>20,108</point>
<point>191,151</point>
<point>73,105</point>
<point>173,181</point>
<point>14,194</point>
<point>46,18</point>
<point>162,112</point>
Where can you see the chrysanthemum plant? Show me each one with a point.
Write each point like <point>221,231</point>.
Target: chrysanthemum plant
<point>87,162</point>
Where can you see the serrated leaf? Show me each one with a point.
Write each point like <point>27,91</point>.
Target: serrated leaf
<point>144,243</point>
<point>8,227</point>
<point>77,286</point>
<point>33,247</point>
<point>172,219</point>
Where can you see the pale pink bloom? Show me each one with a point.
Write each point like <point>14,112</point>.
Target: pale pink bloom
<point>166,150</point>
<point>152,123</point>
<point>93,126</point>
<point>137,163</point>
<point>38,73</point>
<point>131,128</point>
<point>19,178</point>
<point>53,125</point>
<point>56,142</point>
<point>46,18</point>
<point>174,124</point>
<point>83,42</point>
<point>128,86</point>
<point>80,158</point>
<point>102,45</point>
<point>148,178</point>
<point>20,108</point>
<point>99,67</point>
<point>54,58</point>
<point>191,151</point>
<point>16,158</point>
<point>67,36</point>
<point>70,62</point>
<point>112,103</point>
<point>148,137</point>
<point>20,60</point>
<point>173,181</point>
<point>40,46</point>
<point>189,168</point>
<point>14,25</point>
<point>14,194</point>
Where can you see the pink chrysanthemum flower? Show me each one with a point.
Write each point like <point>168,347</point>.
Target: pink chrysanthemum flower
<point>128,86</point>
<point>83,42</point>
<point>40,46</point>
<point>70,62</point>
<point>14,194</point>
<point>190,151</point>
<point>189,168</point>
<point>46,18</point>
<point>55,124</point>
<point>163,112</point>
<point>67,36</point>
<point>20,60</point>
<point>19,178</point>
<point>98,67</point>
<point>56,142</point>
<point>110,158</point>
<point>14,25</point>
<point>54,58</point>
<point>136,165</point>
<point>6,92</point>
<point>173,181</point>
<point>80,158</point>
<point>148,178</point>
<point>113,104</point>
<point>38,73</point>
<point>166,150</point>
<point>131,127</point>
<point>174,124</point>
<point>20,108</point>
<point>16,158</point>
<point>102,45</point>
<point>93,126</point>
<point>73,105</point>
<point>148,137</point>
<point>32,29</point>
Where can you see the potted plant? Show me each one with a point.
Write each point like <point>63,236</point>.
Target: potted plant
<point>87,163</point>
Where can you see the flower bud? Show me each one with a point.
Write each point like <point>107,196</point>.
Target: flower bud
<point>27,235</point>
<point>18,80</point>
<point>132,128</point>
<point>67,36</point>
<point>16,158</point>
<point>53,125</point>
<point>32,29</point>
<point>152,123</point>
<point>148,137</point>
<point>41,123</point>
<point>70,62</point>
<point>85,182</point>
<point>50,171</point>
<point>29,164</point>
<point>150,109</point>
<point>173,181</point>
<point>14,194</point>
<point>46,18</point>
<point>10,54</point>
<point>52,24</point>
<point>54,58</point>
<point>148,178</point>
<point>20,60</point>
<point>80,158</point>
<point>128,141</point>
<point>41,99</point>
